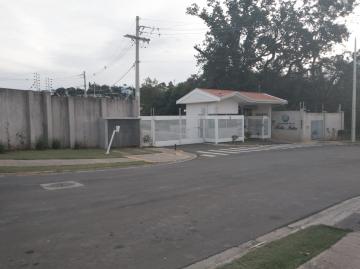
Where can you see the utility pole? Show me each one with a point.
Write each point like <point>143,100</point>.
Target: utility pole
<point>353,114</point>
<point>137,38</point>
<point>84,77</point>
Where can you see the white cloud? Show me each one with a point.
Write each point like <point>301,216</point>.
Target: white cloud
<point>62,38</point>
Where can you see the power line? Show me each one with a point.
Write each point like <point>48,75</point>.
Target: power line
<point>122,53</point>
<point>124,75</point>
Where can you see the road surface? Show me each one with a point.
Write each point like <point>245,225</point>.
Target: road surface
<point>168,216</point>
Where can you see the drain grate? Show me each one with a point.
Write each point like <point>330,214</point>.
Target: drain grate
<point>61,185</point>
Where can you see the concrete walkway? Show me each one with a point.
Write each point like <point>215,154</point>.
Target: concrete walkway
<point>165,156</point>
<point>345,254</point>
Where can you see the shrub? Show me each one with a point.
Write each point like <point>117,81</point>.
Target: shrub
<point>234,138</point>
<point>2,148</point>
<point>79,145</point>
<point>41,143</point>
<point>56,144</point>
<point>147,139</point>
<point>248,134</point>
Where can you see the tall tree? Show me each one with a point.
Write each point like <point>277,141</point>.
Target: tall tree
<point>248,38</point>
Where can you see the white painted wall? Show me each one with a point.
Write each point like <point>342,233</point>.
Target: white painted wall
<point>228,106</point>
<point>286,125</point>
<point>298,125</point>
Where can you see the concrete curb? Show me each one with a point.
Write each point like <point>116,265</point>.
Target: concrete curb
<point>330,216</point>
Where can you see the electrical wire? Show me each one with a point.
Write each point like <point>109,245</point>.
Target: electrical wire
<point>124,51</point>
<point>124,75</point>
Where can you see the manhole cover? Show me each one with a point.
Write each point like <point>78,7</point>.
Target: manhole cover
<point>61,185</point>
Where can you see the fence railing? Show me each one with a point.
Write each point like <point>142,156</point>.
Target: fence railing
<point>170,130</point>
<point>258,126</point>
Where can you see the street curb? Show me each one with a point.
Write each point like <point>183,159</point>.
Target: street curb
<point>330,216</point>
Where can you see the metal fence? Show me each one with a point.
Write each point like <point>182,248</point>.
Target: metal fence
<point>258,126</point>
<point>170,130</point>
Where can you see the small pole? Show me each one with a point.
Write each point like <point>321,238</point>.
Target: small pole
<point>353,114</point>
<point>84,77</point>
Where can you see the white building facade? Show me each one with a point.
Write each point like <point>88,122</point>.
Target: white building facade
<point>255,107</point>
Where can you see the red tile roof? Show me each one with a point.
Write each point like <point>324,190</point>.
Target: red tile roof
<point>251,95</point>
<point>218,93</point>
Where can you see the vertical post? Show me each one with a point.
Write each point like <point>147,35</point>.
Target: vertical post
<point>84,77</point>
<point>263,128</point>
<point>71,120</point>
<point>48,116</point>
<point>353,114</point>
<point>153,131</point>
<point>270,122</point>
<point>243,128</point>
<point>31,119</point>
<point>216,130</point>
<point>137,64</point>
<point>180,126</point>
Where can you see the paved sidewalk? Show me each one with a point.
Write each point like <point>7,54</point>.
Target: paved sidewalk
<point>345,254</point>
<point>343,215</point>
<point>166,156</point>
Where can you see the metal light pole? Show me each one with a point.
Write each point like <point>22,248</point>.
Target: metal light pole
<point>353,114</point>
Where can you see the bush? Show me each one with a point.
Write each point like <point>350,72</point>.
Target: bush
<point>42,143</point>
<point>248,134</point>
<point>147,139</point>
<point>79,145</point>
<point>56,144</point>
<point>2,148</point>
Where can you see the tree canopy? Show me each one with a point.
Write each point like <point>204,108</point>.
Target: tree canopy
<point>247,39</point>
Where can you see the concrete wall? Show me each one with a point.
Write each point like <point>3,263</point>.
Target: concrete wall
<point>128,136</point>
<point>297,125</point>
<point>25,116</point>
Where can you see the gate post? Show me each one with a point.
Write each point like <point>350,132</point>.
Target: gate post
<point>153,131</point>
<point>216,130</point>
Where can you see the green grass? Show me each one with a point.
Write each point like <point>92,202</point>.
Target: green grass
<point>290,252</point>
<point>72,154</point>
<point>66,168</point>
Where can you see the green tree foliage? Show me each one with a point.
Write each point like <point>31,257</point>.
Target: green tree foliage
<point>161,97</point>
<point>98,90</point>
<point>249,38</point>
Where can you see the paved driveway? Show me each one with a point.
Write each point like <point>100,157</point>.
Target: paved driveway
<point>168,216</point>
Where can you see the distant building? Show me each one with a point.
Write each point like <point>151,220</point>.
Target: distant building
<point>227,102</point>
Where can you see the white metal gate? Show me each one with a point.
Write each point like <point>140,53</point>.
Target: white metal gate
<point>170,130</point>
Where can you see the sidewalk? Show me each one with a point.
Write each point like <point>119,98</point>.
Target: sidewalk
<point>343,215</point>
<point>345,254</point>
<point>166,156</point>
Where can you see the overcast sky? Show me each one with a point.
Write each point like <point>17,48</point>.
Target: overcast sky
<point>60,39</point>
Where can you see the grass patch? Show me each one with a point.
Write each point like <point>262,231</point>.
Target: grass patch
<point>72,154</point>
<point>66,168</point>
<point>290,252</point>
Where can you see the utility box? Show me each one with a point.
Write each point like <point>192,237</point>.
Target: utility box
<point>128,135</point>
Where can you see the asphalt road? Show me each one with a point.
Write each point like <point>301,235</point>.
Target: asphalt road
<point>171,215</point>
